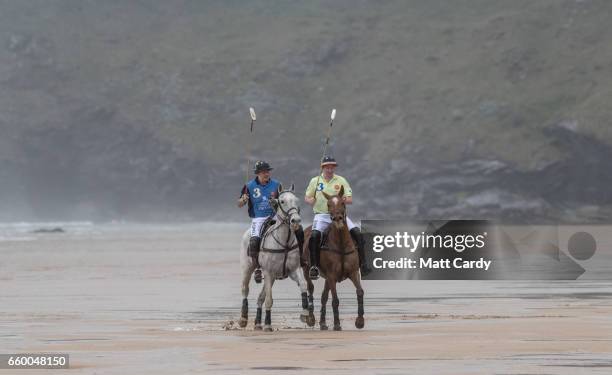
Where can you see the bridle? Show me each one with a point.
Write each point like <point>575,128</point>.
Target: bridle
<point>287,214</point>
<point>336,218</point>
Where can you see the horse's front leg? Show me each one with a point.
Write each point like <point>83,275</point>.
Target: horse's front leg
<point>260,302</point>
<point>324,297</point>
<point>297,275</point>
<point>244,313</point>
<point>268,282</point>
<point>356,279</point>
<point>310,287</point>
<point>305,269</point>
<point>310,296</point>
<point>335,304</point>
<point>247,271</point>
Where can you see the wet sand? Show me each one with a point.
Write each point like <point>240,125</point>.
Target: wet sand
<point>129,299</point>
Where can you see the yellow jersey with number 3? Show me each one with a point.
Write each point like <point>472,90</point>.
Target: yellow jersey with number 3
<point>331,187</point>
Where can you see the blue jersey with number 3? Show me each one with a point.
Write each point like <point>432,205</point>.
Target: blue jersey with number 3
<point>259,197</point>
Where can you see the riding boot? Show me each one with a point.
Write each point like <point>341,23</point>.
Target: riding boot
<point>254,253</point>
<point>314,245</point>
<point>358,238</point>
<point>299,234</point>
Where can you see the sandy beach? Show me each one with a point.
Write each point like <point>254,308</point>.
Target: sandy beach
<point>164,299</point>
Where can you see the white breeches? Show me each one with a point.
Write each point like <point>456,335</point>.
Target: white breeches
<point>320,222</point>
<point>256,224</point>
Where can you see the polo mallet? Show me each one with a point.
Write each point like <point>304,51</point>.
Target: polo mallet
<point>248,155</point>
<point>331,124</point>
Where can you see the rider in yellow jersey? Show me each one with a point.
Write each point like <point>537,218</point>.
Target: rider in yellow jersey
<point>330,183</point>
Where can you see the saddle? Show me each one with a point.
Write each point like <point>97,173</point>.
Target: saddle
<point>266,225</point>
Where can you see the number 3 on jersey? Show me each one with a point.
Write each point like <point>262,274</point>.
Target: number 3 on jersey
<point>256,193</point>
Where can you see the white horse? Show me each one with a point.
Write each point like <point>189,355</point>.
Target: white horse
<point>279,257</point>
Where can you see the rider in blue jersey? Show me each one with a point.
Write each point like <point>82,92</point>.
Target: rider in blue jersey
<point>257,193</point>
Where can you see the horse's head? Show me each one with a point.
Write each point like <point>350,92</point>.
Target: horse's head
<point>336,208</point>
<point>287,207</point>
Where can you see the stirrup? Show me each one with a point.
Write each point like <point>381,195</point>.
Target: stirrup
<point>258,276</point>
<point>313,273</point>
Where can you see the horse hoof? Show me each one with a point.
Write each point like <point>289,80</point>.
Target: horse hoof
<point>242,322</point>
<point>267,328</point>
<point>303,318</point>
<point>323,326</point>
<point>258,327</point>
<point>337,327</point>
<point>359,322</point>
<point>311,320</point>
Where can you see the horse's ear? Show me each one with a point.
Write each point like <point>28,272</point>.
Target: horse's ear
<point>292,188</point>
<point>280,188</point>
<point>325,195</point>
<point>341,192</point>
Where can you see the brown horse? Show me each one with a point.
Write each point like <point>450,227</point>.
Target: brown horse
<point>339,261</point>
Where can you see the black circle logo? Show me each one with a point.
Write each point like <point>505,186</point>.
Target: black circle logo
<point>582,245</point>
